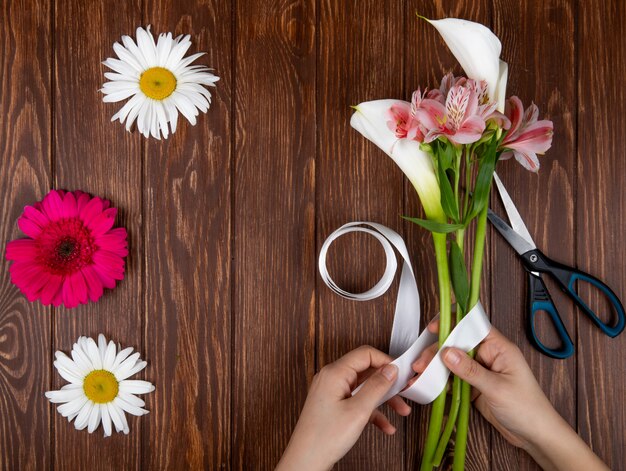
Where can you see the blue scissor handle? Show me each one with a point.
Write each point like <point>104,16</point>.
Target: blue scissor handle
<point>611,331</point>
<point>540,301</point>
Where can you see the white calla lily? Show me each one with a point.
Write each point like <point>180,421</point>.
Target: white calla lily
<point>371,121</point>
<point>478,51</point>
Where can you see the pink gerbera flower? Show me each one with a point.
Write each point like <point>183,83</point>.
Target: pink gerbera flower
<point>72,252</point>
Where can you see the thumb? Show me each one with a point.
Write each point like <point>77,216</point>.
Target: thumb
<point>468,369</point>
<point>375,388</point>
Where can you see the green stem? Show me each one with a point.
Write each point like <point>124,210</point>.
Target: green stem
<point>464,409</point>
<point>438,409</point>
<point>456,384</point>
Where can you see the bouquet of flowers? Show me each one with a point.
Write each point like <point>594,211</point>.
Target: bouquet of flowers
<point>448,141</point>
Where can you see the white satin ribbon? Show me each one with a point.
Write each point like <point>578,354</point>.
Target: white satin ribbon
<point>405,344</point>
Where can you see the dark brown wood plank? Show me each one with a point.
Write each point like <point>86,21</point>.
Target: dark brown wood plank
<point>537,44</point>
<point>25,150</point>
<point>99,157</point>
<point>360,58</point>
<point>600,224</point>
<point>188,258</point>
<point>427,60</point>
<point>274,302</point>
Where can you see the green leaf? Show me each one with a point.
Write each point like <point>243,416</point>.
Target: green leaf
<point>434,226</point>
<point>480,196</point>
<point>446,155</point>
<point>458,276</point>
<point>448,201</point>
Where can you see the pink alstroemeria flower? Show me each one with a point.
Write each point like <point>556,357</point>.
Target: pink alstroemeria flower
<point>527,137</point>
<point>459,120</point>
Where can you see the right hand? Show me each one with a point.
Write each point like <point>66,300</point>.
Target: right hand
<point>507,394</point>
<point>503,386</point>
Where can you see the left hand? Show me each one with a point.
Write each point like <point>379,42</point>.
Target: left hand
<point>332,419</point>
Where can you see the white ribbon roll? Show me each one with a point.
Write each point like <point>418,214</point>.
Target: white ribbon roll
<point>405,344</point>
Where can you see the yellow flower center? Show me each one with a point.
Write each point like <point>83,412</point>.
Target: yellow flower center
<point>157,83</point>
<point>101,386</point>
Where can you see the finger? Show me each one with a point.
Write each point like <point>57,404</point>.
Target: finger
<point>468,369</point>
<point>374,390</point>
<point>425,358</point>
<point>433,326</point>
<point>363,358</point>
<point>398,405</point>
<point>382,422</point>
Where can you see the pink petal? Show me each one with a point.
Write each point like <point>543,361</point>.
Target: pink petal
<point>21,249</point>
<point>514,111</point>
<point>94,283</point>
<point>81,200</point>
<point>53,205</point>
<point>78,286</point>
<point>51,290</point>
<point>113,243</point>
<point>29,227</point>
<point>105,278</point>
<point>528,160</point>
<point>36,216</point>
<point>103,222</point>
<point>69,297</point>
<point>536,138</point>
<point>91,210</point>
<point>69,206</point>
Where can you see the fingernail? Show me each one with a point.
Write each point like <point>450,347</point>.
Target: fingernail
<point>452,356</point>
<point>389,371</point>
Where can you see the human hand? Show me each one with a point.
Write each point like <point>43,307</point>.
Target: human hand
<point>332,419</point>
<point>507,394</point>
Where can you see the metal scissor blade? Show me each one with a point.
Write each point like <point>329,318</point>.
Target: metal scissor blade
<point>520,244</point>
<point>517,223</point>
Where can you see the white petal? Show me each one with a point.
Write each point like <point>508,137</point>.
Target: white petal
<point>136,386</point>
<point>163,49</point>
<point>70,376</point>
<point>501,88</point>
<point>130,408</point>
<point>119,96</point>
<point>475,47</point>
<point>122,68</point>
<point>161,118</point>
<point>185,107</point>
<point>145,41</point>
<point>178,51</point>
<point>417,165</point>
<point>82,419</point>
<point>132,399</point>
<point>94,418</point>
<point>106,420</point>
<point>370,119</point>
<point>70,409</point>
<point>65,394</point>
<point>127,57</point>
<point>70,365</point>
<point>129,109</point>
<point>115,413</point>
<point>128,363</point>
<point>134,50</point>
<point>172,113</point>
<point>122,374</point>
<point>94,354</point>
<point>109,357</point>
<point>102,346</point>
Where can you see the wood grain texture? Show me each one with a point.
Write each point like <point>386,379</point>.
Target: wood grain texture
<point>226,218</point>
<point>601,204</point>
<point>99,157</point>
<point>274,245</point>
<point>187,302</point>
<point>540,72</point>
<point>359,59</point>
<point>25,150</point>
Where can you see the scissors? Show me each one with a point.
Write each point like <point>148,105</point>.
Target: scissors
<point>539,299</point>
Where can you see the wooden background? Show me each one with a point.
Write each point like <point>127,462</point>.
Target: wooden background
<point>226,218</point>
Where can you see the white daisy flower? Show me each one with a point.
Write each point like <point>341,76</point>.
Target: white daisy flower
<point>158,81</point>
<point>99,389</point>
